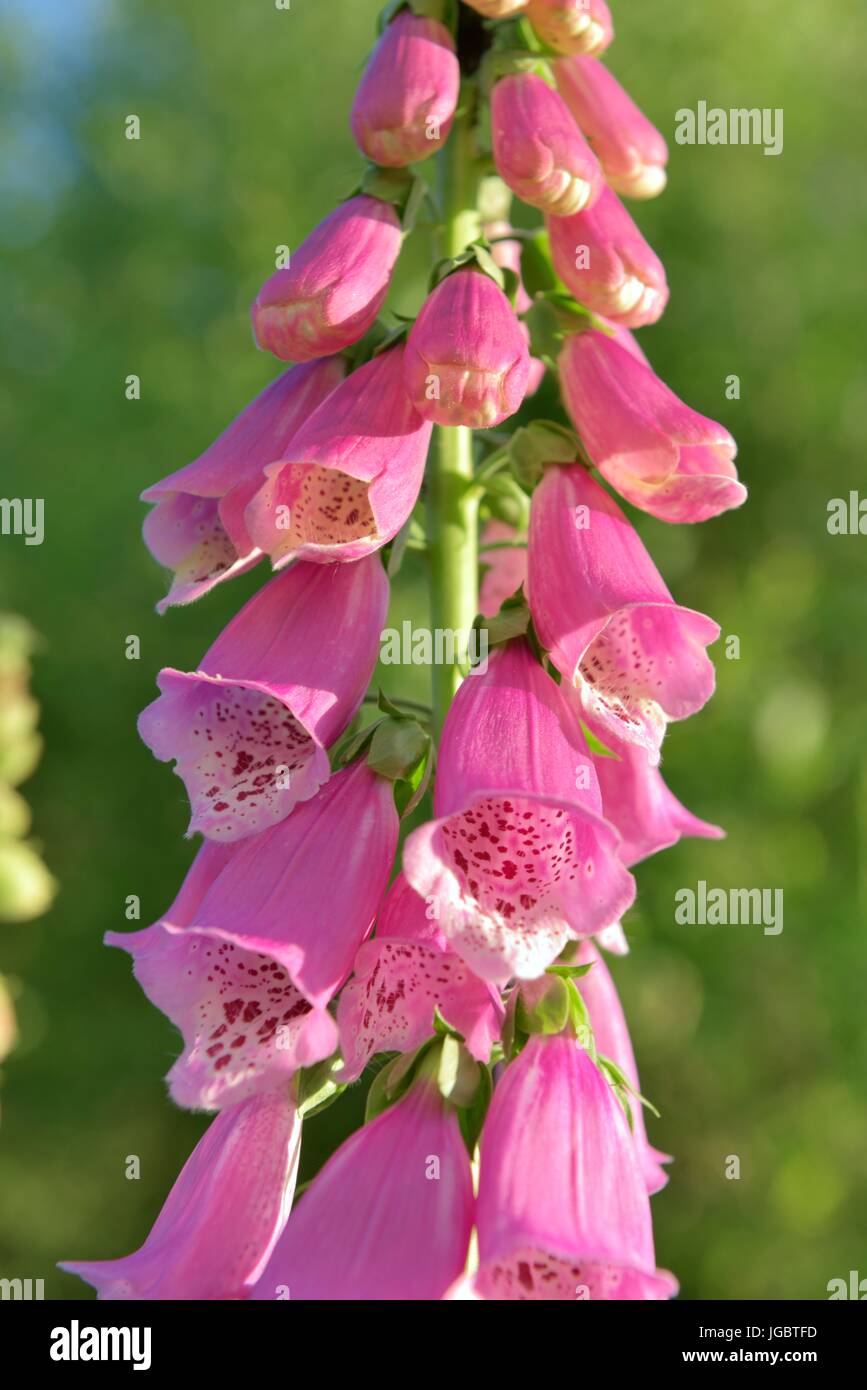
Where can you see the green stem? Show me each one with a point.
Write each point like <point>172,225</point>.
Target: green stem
<point>452,505</point>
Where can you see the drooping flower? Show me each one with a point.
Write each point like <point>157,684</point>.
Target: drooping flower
<point>539,150</point>
<point>612,1040</point>
<point>467,361</point>
<point>572,26</point>
<point>197,527</point>
<point>602,610</point>
<point>334,287</point>
<point>519,859</point>
<point>406,972</point>
<point>630,149</point>
<point>405,102</point>
<point>388,1217</point>
<point>562,1212</point>
<point>658,453</point>
<point>352,474</point>
<point>254,947</point>
<point>506,569</point>
<point>249,729</point>
<point>601,256</point>
<point>221,1219</point>
<point>645,811</point>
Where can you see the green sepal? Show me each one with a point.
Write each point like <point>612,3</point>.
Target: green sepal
<point>513,620</point>
<point>622,1082</point>
<point>315,1088</point>
<point>477,254</point>
<point>398,746</point>
<point>471,1118</point>
<point>541,442</point>
<point>405,191</point>
<point>596,745</point>
<point>544,1006</point>
<point>570,972</point>
<point>458,1075</point>
<point>443,1028</point>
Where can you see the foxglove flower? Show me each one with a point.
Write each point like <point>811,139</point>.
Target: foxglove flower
<point>389,1216</point>
<point>405,103</point>
<point>406,972</point>
<point>248,730</point>
<point>613,1041</point>
<point>660,455</point>
<point>221,1219</point>
<point>539,150</point>
<point>197,527</point>
<point>519,859</point>
<point>637,801</point>
<point>630,149</point>
<point>562,1212</point>
<point>467,361</point>
<point>352,474</point>
<point>332,291</point>
<point>572,26</point>
<point>601,256</point>
<point>253,949</point>
<point>506,569</point>
<point>602,610</point>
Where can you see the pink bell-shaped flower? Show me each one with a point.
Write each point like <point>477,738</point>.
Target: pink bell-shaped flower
<point>602,610</point>
<point>352,474</point>
<point>630,149</point>
<point>572,26</point>
<point>406,972</point>
<point>539,150</point>
<point>335,285</point>
<point>658,453</point>
<point>388,1217</point>
<point>562,1212</point>
<point>603,259</point>
<point>519,860</point>
<point>405,102</point>
<point>197,527</point>
<point>467,361</point>
<point>249,729</point>
<point>221,1219</point>
<point>252,950</point>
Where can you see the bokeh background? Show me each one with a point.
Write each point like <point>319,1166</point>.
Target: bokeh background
<point>123,257</point>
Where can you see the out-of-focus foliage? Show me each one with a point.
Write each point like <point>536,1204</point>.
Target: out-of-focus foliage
<point>124,258</point>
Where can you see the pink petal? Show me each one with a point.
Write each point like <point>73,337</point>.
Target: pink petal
<point>223,1216</point>
<point>352,474</point>
<point>388,1217</point>
<point>249,729</point>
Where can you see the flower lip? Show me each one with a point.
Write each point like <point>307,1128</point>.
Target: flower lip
<point>248,759</point>
<point>518,874</point>
<point>629,687</point>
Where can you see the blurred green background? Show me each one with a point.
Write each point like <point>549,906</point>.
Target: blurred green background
<point>123,257</point>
